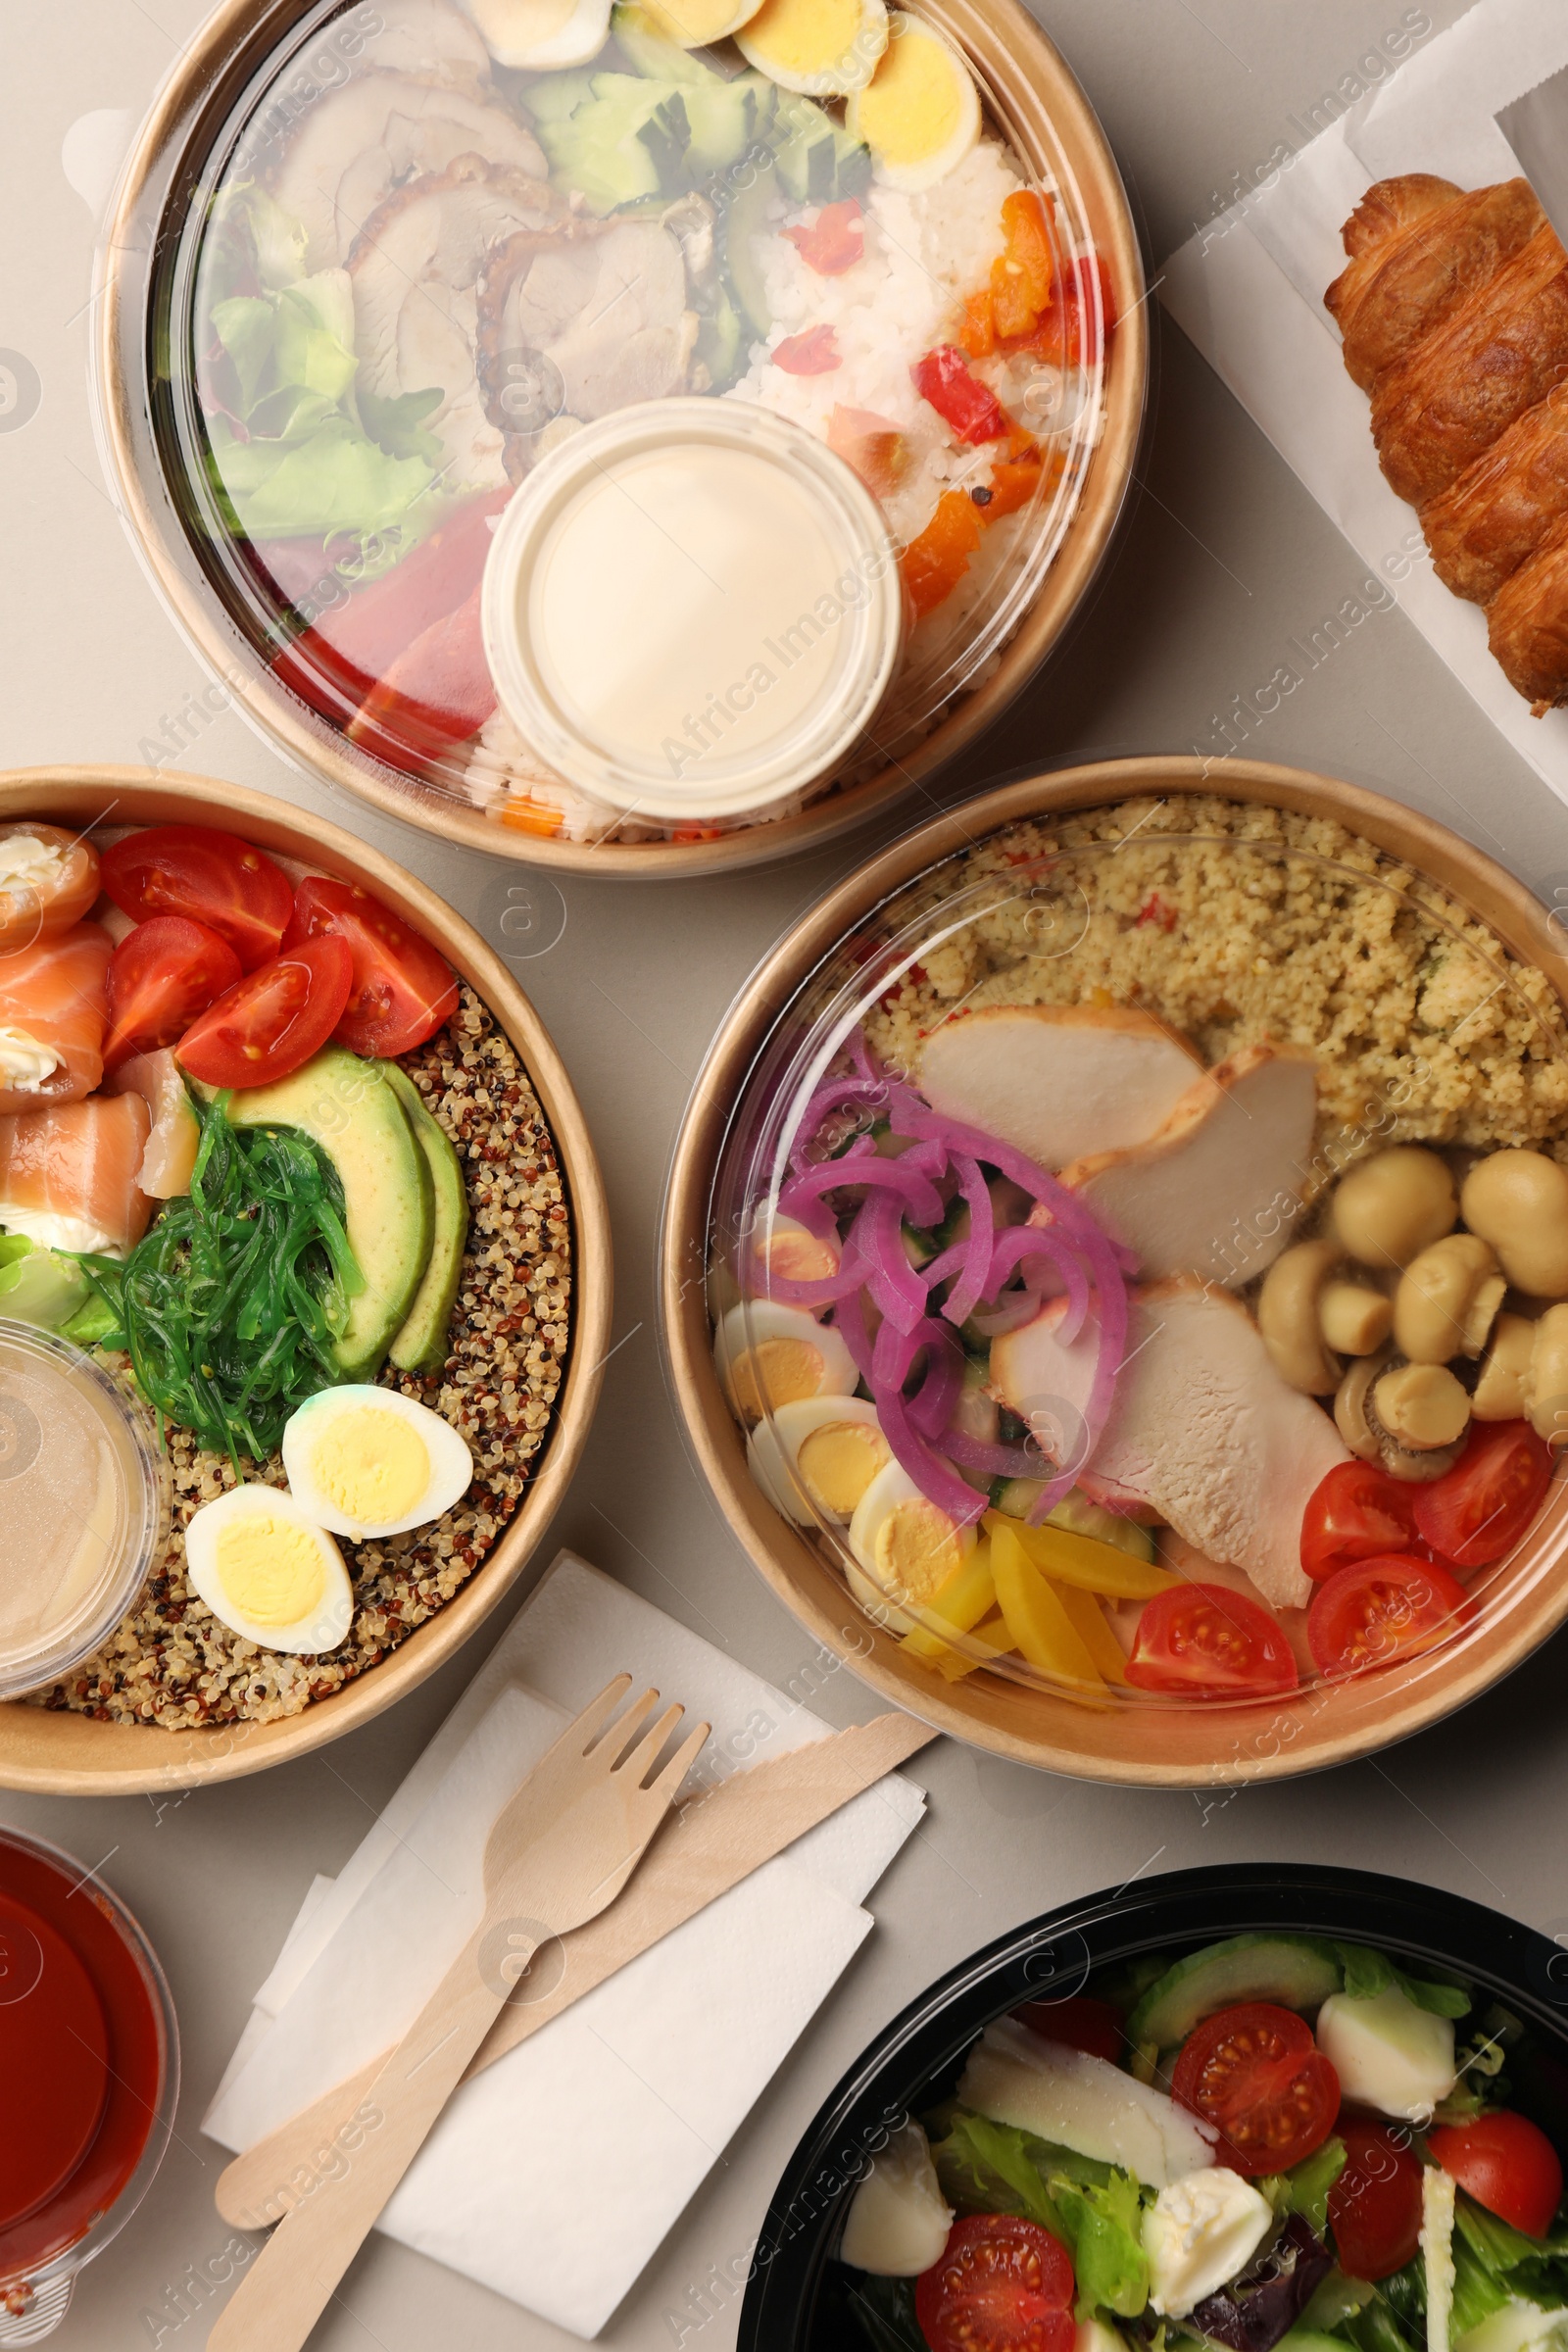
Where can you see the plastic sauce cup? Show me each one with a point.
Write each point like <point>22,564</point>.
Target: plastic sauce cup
<point>691,609</point>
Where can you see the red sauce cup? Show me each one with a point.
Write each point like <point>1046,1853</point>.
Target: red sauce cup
<point>90,2056</point>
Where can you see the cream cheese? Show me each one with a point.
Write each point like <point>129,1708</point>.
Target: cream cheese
<point>25,1064</point>
<point>28,864</point>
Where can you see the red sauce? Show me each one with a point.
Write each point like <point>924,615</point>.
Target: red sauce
<point>82,2059</point>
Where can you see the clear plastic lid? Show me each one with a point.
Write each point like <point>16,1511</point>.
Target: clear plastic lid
<point>1134,1260</point>
<point>399,254</point>
<point>85,1505</point>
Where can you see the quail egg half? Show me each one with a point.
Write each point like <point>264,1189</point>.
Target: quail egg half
<point>266,1569</point>
<point>367,1461</point>
<point>770,1355</point>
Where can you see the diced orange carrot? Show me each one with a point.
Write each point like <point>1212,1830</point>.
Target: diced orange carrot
<point>1028,235</point>
<point>936,562</point>
<point>529,817</point>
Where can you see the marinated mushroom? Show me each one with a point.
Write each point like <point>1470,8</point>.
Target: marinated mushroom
<point>1448,1299</point>
<point>1355,1319</point>
<point>1549,1378</point>
<point>1518,1202</point>
<point>1421,1406</point>
<point>1502,1393</point>
<point>1360,1425</point>
<point>1288,1317</point>
<point>1391,1207</point>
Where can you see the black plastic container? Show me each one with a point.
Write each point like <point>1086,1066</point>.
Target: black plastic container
<point>795,2301</point>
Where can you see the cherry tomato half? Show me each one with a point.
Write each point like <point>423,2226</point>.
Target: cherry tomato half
<point>1002,2284</point>
<point>1079,2023</point>
<point>1376,1611</point>
<point>1205,1642</point>
<point>1256,2074</point>
<point>1479,1510</point>
<point>1506,2164</point>
<point>1357,1513</point>
<point>1375,2204</point>
<point>402,989</point>
<point>160,976</point>
<point>211,876</point>
<point>273,1021</point>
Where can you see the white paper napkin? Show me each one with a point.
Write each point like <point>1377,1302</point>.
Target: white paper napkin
<point>638,2087</point>
<point>1248,291</point>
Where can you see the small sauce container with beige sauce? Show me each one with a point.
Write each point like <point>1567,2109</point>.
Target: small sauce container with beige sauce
<point>691,610</point>
<point>83,1500</point>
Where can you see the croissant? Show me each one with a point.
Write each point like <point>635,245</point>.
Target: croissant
<point>1526,625</point>
<point>1418,247</point>
<point>1501,510</point>
<point>1436,410</point>
<point>1454,314</point>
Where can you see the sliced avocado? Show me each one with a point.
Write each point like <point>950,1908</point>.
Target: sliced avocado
<point>1297,1972</point>
<point>651,52</point>
<point>39,1286</point>
<point>351,1110</point>
<point>421,1344</point>
<point>746,218</point>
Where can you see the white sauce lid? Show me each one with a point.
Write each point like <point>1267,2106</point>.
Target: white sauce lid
<point>691,608</point>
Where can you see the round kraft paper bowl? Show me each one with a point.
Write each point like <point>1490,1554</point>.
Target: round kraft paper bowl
<point>1200,1745</point>
<point>73,1756</point>
<point>796,2298</point>
<point>1037,101</point>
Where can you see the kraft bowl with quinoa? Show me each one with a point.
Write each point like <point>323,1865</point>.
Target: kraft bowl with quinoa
<point>1138,1263</point>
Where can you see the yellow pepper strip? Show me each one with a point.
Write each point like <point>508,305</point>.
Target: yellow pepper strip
<point>1035,1618</point>
<point>989,1639</point>
<point>1083,1560</point>
<point>962,1603</point>
<point>1087,1621</point>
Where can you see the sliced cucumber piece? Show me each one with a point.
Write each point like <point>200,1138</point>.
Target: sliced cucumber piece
<point>1297,1972</point>
<point>1018,1496</point>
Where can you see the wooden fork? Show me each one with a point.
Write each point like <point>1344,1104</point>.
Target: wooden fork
<point>560,1852</point>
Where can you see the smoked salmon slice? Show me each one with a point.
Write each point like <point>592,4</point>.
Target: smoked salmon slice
<point>69,1174</point>
<point>54,1010</point>
<point>177,1134</point>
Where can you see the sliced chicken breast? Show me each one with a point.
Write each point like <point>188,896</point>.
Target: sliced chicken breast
<point>1216,1191</point>
<point>608,310</point>
<point>431,38</point>
<point>1204,1430</point>
<point>1057,1081</point>
<point>414,269</point>
<point>358,144</point>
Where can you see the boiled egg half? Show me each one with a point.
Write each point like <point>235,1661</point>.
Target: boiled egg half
<point>825,1451</point>
<point>770,1355</point>
<point>904,1548</point>
<point>781,1247</point>
<point>367,1461</point>
<point>541,32</point>
<point>920,113</point>
<point>822,48</point>
<point>265,1570</point>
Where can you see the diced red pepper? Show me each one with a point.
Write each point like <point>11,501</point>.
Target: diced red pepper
<point>969,407</point>
<point>835,240</point>
<point>815,353</point>
<point>1156,909</point>
<point>1066,335</point>
<point>936,562</point>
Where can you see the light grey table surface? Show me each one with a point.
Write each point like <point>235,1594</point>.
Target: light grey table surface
<point>1222,560</point>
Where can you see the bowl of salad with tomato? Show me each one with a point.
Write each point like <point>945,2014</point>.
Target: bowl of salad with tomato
<point>1116,1272</point>
<point>1255,2108</point>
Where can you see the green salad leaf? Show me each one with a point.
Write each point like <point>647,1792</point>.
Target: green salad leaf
<point>230,1303</point>
<point>986,2167</point>
<point>1368,1973</point>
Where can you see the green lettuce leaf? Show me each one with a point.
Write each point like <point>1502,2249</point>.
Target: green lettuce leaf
<point>331,481</point>
<point>1102,2229</point>
<point>1368,1973</point>
<point>397,423</point>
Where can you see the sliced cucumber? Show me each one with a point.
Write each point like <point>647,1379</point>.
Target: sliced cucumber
<point>1297,1972</point>
<point>1075,1512</point>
